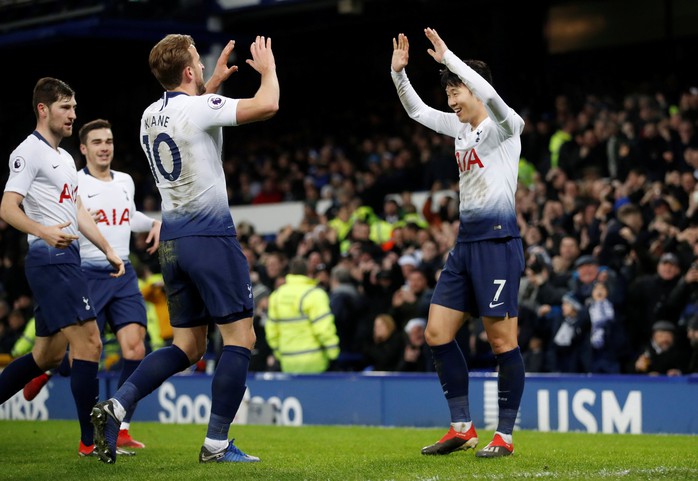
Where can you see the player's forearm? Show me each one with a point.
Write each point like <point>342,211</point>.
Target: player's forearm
<point>480,87</point>
<point>267,96</point>
<point>15,216</point>
<point>141,222</point>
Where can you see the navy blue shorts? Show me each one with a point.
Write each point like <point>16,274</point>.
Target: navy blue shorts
<point>118,301</point>
<point>206,278</point>
<point>61,297</point>
<point>482,278</point>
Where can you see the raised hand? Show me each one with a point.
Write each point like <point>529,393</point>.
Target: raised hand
<point>262,57</point>
<point>401,50</point>
<point>222,71</point>
<point>440,47</point>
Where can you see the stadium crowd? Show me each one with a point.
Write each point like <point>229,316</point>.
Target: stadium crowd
<point>607,207</point>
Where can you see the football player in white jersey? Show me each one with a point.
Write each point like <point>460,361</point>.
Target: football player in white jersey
<point>205,272</point>
<point>108,195</point>
<point>41,199</point>
<point>482,273</point>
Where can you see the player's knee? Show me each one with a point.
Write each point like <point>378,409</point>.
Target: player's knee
<point>433,338</point>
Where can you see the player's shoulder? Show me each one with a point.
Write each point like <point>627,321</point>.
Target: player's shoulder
<point>122,177</point>
<point>29,145</point>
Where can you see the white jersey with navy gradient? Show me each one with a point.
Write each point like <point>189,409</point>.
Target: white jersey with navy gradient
<point>47,179</point>
<point>487,156</point>
<point>118,217</point>
<point>182,138</point>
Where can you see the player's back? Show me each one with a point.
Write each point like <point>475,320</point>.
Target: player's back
<point>182,138</point>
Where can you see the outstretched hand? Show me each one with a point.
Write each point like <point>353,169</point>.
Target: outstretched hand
<point>401,50</point>
<point>262,57</point>
<point>222,71</point>
<point>439,45</point>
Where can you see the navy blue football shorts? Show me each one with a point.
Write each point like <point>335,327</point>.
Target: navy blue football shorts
<point>117,301</point>
<point>61,297</point>
<point>482,278</point>
<point>206,278</point>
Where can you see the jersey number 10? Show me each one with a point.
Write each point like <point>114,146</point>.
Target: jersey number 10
<point>155,161</point>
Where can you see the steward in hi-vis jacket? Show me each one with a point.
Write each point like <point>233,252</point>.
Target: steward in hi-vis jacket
<point>300,328</point>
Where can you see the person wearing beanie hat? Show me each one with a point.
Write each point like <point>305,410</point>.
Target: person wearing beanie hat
<point>662,355</point>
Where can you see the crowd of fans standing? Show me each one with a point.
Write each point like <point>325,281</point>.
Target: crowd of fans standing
<point>608,212</point>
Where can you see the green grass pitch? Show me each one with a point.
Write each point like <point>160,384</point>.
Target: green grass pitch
<point>47,451</point>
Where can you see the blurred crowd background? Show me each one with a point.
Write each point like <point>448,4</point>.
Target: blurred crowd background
<point>607,198</point>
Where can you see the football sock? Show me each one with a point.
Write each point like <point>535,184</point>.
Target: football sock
<point>453,373</point>
<point>461,427</point>
<point>85,388</point>
<point>16,374</point>
<point>129,366</point>
<point>64,367</point>
<point>153,370</point>
<point>227,389</point>
<point>510,384</point>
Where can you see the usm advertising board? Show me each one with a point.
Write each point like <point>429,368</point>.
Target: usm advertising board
<point>583,403</point>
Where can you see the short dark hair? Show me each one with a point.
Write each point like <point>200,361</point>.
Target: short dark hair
<point>298,266</point>
<point>90,126</point>
<point>49,90</point>
<point>449,79</point>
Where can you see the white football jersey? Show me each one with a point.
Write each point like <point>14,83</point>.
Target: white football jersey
<point>118,217</point>
<point>47,178</point>
<point>487,157</point>
<point>182,138</point>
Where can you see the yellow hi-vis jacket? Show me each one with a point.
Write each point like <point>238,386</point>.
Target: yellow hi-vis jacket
<point>300,328</point>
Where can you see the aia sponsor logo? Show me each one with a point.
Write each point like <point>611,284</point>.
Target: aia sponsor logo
<point>467,160</point>
<point>112,217</point>
<point>68,194</point>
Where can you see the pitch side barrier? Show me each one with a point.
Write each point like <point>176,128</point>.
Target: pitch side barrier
<point>588,403</point>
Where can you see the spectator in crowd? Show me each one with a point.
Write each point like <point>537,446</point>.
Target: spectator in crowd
<point>692,335</point>
<point>416,356</point>
<point>11,331</point>
<point>385,349</point>
<point>412,299</point>
<point>662,356</point>
<point>350,309</point>
<point>563,262</point>
<point>606,338</point>
<point>570,339</point>
<point>648,301</point>
<point>587,272</point>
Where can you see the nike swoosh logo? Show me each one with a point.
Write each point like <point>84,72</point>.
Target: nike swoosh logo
<point>56,166</point>
<point>89,196</point>
<point>492,306</point>
<point>460,138</point>
<point>211,457</point>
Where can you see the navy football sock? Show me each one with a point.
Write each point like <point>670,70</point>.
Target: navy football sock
<point>153,370</point>
<point>510,384</point>
<point>64,368</point>
<point>16,375</point>
<point>85,388</point>
<point>227,389</point>
<point>452,369</point>
<point>128,369</point>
